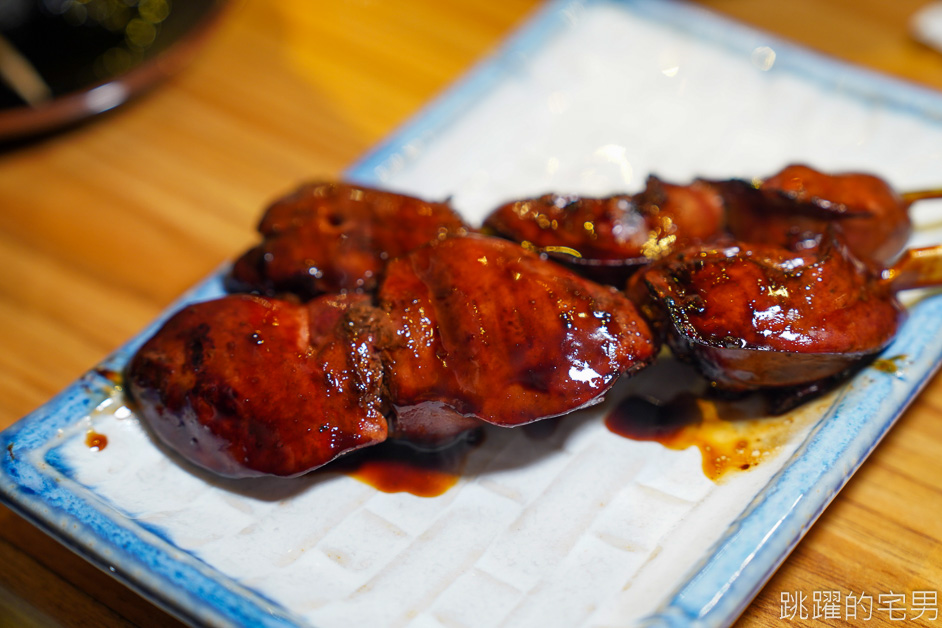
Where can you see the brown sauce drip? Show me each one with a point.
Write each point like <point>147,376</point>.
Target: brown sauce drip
<point>393,467</point>
<point>96,441</point>
<point>731,435</point>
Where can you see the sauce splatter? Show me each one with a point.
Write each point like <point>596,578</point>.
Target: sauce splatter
<point>95,441</point>
<point>731,436</point>
<point>392,467</point>
<point>889,365</point>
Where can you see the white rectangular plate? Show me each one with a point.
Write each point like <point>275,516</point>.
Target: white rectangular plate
<point>582,527</point>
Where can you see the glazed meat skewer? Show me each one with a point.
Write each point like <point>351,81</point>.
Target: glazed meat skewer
<point>468,330</point>
<point>609,238</point>
<point>336,237</point>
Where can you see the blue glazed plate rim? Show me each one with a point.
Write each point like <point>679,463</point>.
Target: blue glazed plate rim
<point>739,564</point>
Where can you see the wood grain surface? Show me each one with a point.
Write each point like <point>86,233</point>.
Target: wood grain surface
<point>103,225</point>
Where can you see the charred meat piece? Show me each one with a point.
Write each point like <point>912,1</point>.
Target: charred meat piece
<point>487,330</point>
<point>247,386</point>
<point>801,203</point>
<point>336,237</point>
<point>757,316</point>
<point>607,238</point>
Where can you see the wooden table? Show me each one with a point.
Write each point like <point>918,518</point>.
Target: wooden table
<point>102,226</point>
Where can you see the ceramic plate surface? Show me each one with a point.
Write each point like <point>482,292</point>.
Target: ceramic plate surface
<point>580,527</point>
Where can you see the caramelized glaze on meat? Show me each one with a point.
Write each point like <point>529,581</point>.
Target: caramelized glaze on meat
<point>607,238</point>
<point>801,203</point>
<point>471,329</point>
<point>488,330</point>
<point>334,237</point>
<point>754,316</point>
<point>246,385</point>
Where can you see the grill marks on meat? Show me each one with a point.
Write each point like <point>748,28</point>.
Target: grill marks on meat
<point>334,237</point>
<point>246,385</point>
<point>469,329</point>
<point>487,330</point>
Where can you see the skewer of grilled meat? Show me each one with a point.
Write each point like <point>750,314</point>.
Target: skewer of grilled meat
<point>609,238</point>
<point>468,330</point>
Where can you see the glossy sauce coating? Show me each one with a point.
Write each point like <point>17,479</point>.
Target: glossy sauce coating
<point>608,237</point>
<point>751,316</point>
<point>801,203</point>
<point>248,386</point>
<point>489,331</point>
<point>335,237</point>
